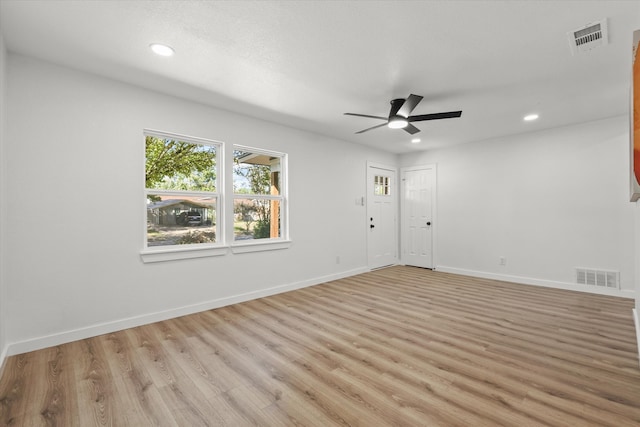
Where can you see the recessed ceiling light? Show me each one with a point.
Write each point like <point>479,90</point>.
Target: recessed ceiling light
<point>415,140</point>
<point>162,49</point>
<point>531,117</point>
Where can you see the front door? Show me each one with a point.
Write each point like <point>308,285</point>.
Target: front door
<point>382,242</point>
<point>417,216</point>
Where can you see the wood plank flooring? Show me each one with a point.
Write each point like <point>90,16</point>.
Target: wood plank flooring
<point>400,346</point>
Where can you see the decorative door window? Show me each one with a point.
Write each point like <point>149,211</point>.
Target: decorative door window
<point>382,185</point>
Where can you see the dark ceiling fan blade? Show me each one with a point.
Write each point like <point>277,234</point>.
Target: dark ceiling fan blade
<point>374,127</point>
<point>435,116</point>
<point>395,106</point>
<point>411,129</point>
<point>408,106</point>
<point>366,115</point>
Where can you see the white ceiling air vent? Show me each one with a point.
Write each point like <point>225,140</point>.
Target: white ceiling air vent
<point>589,37</point>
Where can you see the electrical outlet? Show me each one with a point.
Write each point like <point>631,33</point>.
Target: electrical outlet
<point>503,260</point>
<point>338,260</point>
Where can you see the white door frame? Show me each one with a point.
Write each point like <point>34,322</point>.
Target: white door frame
<point>369,191</point>
<point>434,210</point>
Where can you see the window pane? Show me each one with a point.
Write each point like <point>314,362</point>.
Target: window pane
<point>255,173</point>
<point>172,164</point>
<point>256,218</point>
<point>381,186</point>
<point>180,220</point>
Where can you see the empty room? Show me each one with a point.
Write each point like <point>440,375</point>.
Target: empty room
<point>319,213</point>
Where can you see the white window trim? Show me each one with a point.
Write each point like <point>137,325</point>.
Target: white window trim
<point>271,245</point>
<point>172,253</point>
<point>224,227</point>
<point>176,252</point>
<point>283,242</point>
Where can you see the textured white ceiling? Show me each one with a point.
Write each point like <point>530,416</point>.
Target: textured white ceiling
<point>305,63</point>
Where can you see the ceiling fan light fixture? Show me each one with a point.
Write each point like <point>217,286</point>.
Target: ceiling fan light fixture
<point>398,122</point>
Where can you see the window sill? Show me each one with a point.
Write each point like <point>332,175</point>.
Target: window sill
<point>243,248</point>
<point>171,254</point>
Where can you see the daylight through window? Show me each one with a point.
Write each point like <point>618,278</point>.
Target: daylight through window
<point>259,196</point>
<point>188,207</point>
<point>381,185</point>
<point>181,176</point>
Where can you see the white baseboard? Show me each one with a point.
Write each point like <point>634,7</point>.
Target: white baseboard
<point>637,322</point>
<point>538,282</point>
<point>131,322</point>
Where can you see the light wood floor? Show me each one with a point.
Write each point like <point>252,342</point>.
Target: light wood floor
<point>400,346</point>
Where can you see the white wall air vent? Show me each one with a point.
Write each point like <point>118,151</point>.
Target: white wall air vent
<point>589,37</point>
<point>599,278</point>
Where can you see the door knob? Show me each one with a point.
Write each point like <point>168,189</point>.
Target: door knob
<point>372,226</point>
<point>428,222</point>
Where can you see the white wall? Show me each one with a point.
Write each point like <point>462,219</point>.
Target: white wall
<point>3,310</point>
<point>74,154</point>
<point>548,201</point>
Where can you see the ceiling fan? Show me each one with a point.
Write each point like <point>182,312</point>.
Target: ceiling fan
<point>399,117</point>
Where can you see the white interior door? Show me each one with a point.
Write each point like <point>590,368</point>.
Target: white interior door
<point>417,216</point>
<point>382,241</point>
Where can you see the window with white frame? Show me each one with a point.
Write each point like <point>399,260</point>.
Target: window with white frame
<point>181,190</point>
<point>259,195</point>
<point>381,185</point>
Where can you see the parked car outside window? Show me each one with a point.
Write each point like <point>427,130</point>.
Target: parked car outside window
<point>194,218</point>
